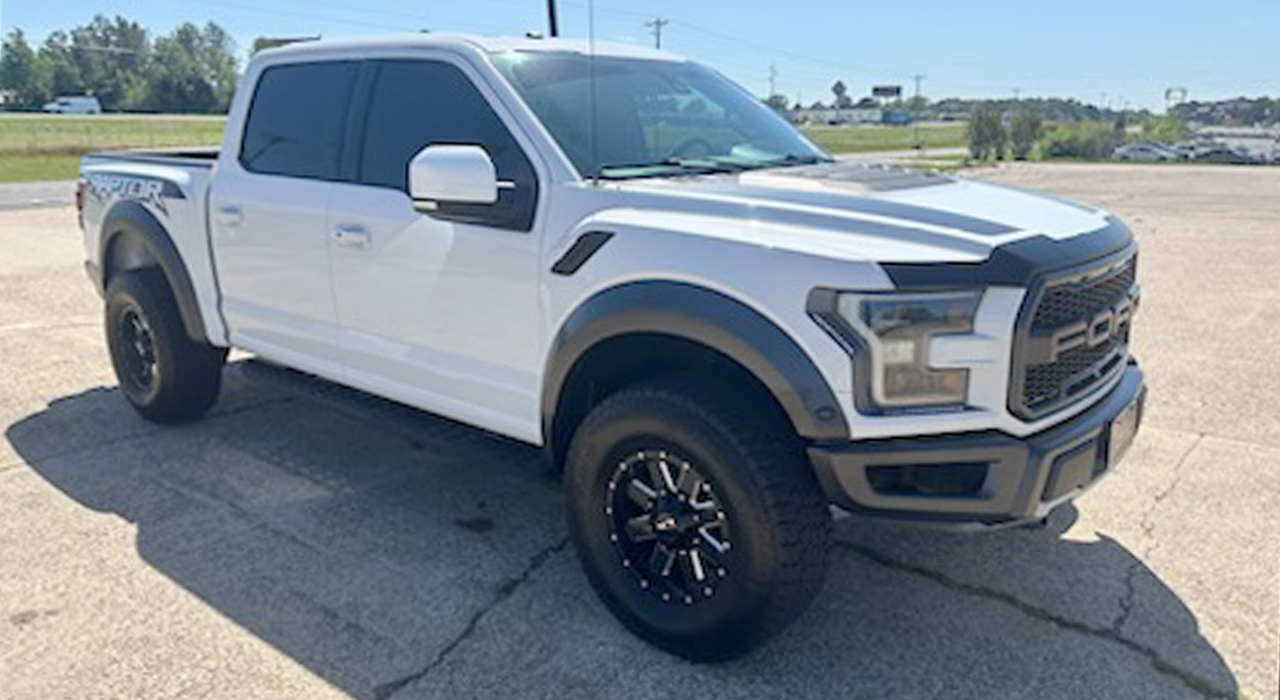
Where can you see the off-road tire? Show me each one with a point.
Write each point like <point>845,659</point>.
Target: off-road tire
<point>165,376</point>
<point>776,516</point>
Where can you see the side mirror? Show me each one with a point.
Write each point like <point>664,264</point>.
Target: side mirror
<point>452,174</point>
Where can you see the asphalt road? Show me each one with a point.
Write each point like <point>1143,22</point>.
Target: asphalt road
<point>307,542</point>
<point>28,195</point>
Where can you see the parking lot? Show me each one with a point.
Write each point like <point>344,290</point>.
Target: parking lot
<point>310,542</point>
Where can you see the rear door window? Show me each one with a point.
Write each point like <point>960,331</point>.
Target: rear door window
<point>296,120</point>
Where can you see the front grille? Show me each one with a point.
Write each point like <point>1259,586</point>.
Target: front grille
<point>1040,386</point>
<point>1066,302</point>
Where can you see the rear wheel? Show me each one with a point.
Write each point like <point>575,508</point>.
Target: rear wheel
<point>163,374</point>
<point>698,519</point>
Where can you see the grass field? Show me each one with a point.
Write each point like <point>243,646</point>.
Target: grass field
<point>29,168</point>
<point>859,139</point>
<point>46,147</point>
<point>48,134</point>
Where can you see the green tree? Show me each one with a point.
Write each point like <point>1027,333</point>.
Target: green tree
<point>841,92</point>
<point>777,103</point>
<point>917,104</point>
<point>1024,131</point>
<point>18,70</point>
<point>193,69</point>
<point>56,70</point>
<point>111,56</point>
<point>1165,130</point>
<point>986,132</point>
<point>1094,139</point>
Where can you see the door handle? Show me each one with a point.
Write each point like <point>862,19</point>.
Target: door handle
<point>230,216</point>
<point>352,236</point>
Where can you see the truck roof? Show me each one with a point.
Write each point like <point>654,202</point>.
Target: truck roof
<point>496,44</point>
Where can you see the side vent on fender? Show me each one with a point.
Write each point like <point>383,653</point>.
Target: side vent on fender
<point>580,252</point>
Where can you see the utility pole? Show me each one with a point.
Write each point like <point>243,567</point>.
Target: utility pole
<point>915,117</point>
<point>1017,94</point>
<point>773,80</point>
<point>655,26</point>
<point>552,24</point>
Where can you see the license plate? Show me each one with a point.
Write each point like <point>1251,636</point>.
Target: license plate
<point>1123,430</point>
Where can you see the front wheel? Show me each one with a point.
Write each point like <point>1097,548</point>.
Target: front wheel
<point>163,374</point>
<point>698,519</point>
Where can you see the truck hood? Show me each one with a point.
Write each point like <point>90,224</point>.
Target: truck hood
<point>855,211</point>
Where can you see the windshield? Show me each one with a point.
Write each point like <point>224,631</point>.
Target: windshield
<point>652,117</point>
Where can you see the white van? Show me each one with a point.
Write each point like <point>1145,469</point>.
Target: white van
<point>74,104</point>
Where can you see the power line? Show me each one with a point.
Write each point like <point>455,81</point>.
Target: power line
<point>655,26</point>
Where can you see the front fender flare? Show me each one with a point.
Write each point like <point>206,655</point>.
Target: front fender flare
<point>707,317</point>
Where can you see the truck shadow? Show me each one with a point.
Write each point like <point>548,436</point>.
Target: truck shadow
<point>369,543</point>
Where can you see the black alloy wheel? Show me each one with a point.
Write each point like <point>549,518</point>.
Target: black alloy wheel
<point>667,526</point>
<point>138,352</point>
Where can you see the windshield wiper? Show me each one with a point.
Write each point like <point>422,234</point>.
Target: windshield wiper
<point>796,159</point>
<point>679,166</point>
<point>705,165</point>
<point>739,163</point>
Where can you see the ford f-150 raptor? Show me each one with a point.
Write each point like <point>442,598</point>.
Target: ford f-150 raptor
<point>714,328</point>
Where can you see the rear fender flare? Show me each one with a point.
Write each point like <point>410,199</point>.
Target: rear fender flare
<point>133,238</point>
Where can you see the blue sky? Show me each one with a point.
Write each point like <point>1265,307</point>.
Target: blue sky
<point>1123,51</point>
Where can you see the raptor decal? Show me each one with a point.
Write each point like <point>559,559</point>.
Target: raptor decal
<point>149,190</point>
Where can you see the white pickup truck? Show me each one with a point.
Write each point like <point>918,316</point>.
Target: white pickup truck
<point>715,329</point>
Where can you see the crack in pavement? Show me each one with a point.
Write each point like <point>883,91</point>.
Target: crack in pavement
<point>508,588</point>
<point>1148,534</point>
<point>1190,679</point>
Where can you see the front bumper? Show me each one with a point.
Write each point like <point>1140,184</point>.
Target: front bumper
<point>986,479</point>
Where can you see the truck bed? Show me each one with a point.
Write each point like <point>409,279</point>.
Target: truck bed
<point>199,156</point>
<point>171,184</point>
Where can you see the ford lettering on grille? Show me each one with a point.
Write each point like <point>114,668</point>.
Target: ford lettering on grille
<point>1073,337</point>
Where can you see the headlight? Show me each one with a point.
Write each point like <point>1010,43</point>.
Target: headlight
<point>895,330</point>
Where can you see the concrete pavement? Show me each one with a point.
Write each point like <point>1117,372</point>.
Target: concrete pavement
<point>307,541</point>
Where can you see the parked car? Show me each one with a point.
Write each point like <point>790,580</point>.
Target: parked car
<point>74,104</point>
<point>715,337</point>
<point>1224,154</point>
<point>1145,152</point>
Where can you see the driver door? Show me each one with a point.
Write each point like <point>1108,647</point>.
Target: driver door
<point>438,310</point>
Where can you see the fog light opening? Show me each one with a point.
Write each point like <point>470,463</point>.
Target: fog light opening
<point>945,480</point>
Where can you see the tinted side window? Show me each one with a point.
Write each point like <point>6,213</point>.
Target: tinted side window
<point>418,103</point>
<point>296,120</point>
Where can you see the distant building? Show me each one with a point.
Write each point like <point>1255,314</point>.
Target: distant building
<point>838,116</point>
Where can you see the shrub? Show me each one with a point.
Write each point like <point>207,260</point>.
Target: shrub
<point>1083,140</point>
<point>987,136</point>
<point>1165,130</point>
<point>1024,131</point>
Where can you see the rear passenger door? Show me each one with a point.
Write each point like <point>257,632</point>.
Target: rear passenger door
<point>438,309</point>
<point>268,215</point>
